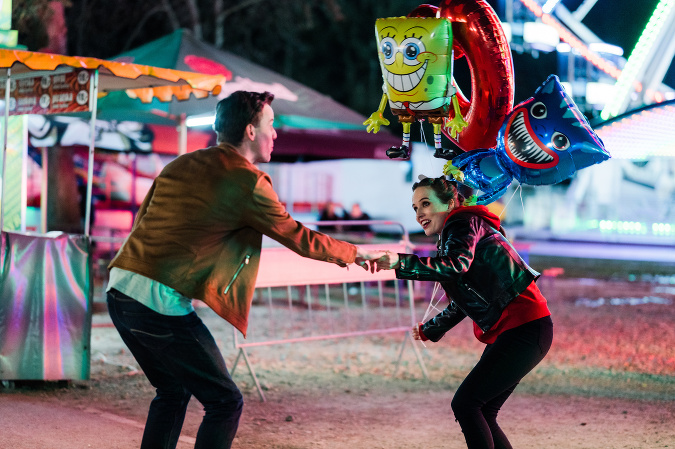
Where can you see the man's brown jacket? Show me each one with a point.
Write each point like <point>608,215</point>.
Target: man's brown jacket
<point>200,227</point>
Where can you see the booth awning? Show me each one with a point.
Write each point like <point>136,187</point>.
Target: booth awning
<point>46,83</point>
<point>139,81</point>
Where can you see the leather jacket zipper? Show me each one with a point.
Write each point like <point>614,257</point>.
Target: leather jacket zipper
<point>236,273</point>
<point>478,296</point>
<point>475,293</point>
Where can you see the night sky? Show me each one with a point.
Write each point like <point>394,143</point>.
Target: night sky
<point>618,22</point>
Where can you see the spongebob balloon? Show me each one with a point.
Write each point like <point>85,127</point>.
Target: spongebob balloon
<point>416,55</point>
<point>416,60</point>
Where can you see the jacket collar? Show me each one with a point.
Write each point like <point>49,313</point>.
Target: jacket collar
<point>480,210</point>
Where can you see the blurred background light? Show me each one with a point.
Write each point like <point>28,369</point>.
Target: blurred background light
<point>602,47</point>
<point>649,131</point>
<point>200,121</point>
<point>565,35</point>
<point>597,93</point>
<point>540,36</point>
<point>549,6</point>
<point>638,58</point>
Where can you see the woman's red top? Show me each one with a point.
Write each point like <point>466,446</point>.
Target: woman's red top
<point>530,305</point>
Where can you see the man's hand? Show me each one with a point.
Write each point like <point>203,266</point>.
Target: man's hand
<point>370,260</point>
<point>363,256</point>
<point>387,261</point>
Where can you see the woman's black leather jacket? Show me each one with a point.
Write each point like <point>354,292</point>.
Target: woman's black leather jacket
<point>477,267</point>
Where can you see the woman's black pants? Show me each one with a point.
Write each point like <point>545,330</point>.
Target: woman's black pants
<point>489,384</point>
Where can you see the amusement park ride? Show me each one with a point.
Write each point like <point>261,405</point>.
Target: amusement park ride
<point>595,73</point>
<point>631,101</point>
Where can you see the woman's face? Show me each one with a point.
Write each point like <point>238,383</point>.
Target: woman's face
<point>431,212</point>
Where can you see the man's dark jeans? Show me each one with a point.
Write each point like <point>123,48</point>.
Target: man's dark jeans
<point>180,358</point>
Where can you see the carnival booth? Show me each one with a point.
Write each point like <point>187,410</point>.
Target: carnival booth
<point>45,278</point>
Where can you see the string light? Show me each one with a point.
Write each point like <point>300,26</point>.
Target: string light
<point>637,59</point>
<point>640,134</point>
<point>549,6</point>
<point>631,227</point>
<point>595,59</point>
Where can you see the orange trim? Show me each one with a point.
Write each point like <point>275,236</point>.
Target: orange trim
<point>184,83</point>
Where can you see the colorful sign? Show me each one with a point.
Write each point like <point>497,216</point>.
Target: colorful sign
<point>50,94</point>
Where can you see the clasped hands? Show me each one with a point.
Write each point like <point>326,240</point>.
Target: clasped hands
<point>376,260</point>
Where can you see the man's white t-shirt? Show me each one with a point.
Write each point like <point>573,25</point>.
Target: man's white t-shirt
<point>152,294</point>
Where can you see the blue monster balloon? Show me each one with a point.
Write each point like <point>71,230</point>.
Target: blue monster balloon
<point>544,140</point>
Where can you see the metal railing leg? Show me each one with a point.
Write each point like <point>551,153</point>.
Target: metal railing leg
<point>242,352</point>
<point>234,365</point>
<point>418,355</point>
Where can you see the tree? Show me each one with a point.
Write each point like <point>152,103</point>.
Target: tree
<point>328,45</point>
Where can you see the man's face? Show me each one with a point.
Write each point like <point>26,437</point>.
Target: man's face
<point>265,134</point>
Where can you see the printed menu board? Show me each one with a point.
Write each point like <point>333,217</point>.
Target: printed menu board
<point>49,94</point>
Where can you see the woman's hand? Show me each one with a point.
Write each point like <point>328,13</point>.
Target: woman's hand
<point>416,332</point>
<point>376,260</point>
<point>388,261</point>
<point>367,258</point>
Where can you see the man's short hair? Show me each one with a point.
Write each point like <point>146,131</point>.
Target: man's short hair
<point>236,111</point>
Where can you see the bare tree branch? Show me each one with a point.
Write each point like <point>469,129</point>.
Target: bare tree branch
<point>163,8</point>
<point>194,18</point>
<point>220,20</point>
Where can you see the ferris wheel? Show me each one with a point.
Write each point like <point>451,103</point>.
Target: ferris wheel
<point>598,76</point>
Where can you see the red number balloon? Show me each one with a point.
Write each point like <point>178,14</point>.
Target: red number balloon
<point>478,35</point>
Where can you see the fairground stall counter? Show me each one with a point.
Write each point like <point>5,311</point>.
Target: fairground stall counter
<point>45,278</point>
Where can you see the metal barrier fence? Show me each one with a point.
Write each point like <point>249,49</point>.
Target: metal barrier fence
<point>300,300</point>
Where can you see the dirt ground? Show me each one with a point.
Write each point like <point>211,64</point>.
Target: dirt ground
<point>608,382</point>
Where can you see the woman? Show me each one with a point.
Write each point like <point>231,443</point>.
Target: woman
<point>490,283</point>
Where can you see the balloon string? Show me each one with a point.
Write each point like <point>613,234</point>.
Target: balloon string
<point>509,201</point>
<point>424,139</point>
<point>431,305</point>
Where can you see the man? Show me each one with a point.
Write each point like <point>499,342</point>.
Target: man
<point>198,234</point>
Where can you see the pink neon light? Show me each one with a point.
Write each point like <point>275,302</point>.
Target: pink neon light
<point>640,135</point>
<point>209,66</point>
